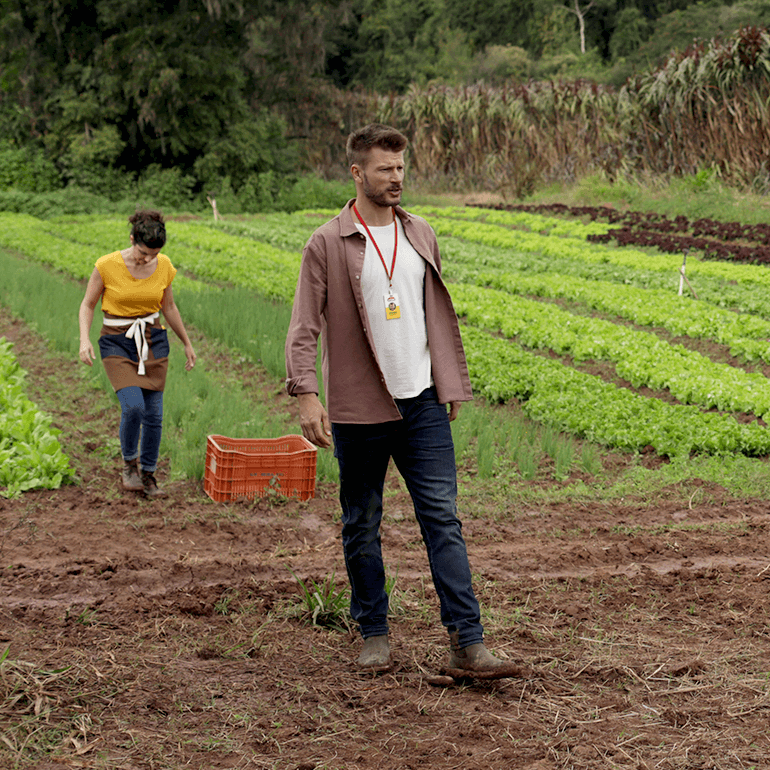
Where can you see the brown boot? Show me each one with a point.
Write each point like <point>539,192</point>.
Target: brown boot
<point>477,661</point>
<point>130,476</point>
<point>150,486</point>
<point>375,655</point>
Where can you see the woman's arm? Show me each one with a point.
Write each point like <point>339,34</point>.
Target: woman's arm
<point>174,319</point>
<point>94,291</point>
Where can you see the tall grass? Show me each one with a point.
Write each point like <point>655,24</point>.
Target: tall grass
<point>243,321</point>
<point>495,440</point>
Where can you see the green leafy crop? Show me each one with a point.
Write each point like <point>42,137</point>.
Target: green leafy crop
<point>30,454</point>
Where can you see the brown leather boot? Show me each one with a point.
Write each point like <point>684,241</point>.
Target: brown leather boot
<point>375,655</point>
<point>150,486</point>
<point>476,660</point>
<point>130,476</point>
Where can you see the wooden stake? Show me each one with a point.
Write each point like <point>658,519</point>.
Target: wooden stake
<point>689,284</point>
<point>213,202</point>
<point>683,277</point>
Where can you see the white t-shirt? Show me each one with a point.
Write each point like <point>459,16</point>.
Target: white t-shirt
<point>401,343</point>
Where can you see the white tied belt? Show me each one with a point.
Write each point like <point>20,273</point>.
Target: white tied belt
<point>136,329</point>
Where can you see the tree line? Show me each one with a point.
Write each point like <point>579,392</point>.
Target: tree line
<point>240,96</point>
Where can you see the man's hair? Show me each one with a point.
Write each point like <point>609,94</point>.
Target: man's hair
<point>148,227</point>
<point>374,135</point>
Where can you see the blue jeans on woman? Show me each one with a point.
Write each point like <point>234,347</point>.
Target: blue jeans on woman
<point>141,413</point>
<point>423,451</point>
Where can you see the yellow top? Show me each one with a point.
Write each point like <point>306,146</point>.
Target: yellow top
<point>128,297</point>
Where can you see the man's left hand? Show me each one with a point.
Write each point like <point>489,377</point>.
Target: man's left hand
<point>454,410</point>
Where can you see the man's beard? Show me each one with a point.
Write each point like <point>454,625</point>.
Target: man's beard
<point>379,198</point>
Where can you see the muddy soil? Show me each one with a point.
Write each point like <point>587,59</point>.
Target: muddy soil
<point>172,634</point>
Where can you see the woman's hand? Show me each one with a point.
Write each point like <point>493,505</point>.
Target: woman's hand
<point>94,290</point>
<point>191,357</point>
<point>87,354</point>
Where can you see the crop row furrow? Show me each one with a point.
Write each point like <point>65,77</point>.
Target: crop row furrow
<point>519,220</point>
<point>463,260</point>
<point>745,335</point>
<point>599,411</point>
<point>575,248</point>
<point>639,357</point>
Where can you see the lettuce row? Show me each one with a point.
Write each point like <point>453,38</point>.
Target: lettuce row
<point>575,248</point>
<point>640,357</point>
<point>30,454</point>
<point>599,411</point>
<point>745,335</point>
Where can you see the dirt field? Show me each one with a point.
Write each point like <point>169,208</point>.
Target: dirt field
<point>170,634</point>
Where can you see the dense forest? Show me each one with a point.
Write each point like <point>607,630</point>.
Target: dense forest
<point>241,97</point>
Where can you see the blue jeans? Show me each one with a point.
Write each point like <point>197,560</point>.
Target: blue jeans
<point>141,412</point>
<point>421,447</point>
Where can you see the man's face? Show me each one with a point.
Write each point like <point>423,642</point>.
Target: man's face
<point>381,176</point>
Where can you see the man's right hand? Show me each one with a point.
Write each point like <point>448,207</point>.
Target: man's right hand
<point>314,420</point>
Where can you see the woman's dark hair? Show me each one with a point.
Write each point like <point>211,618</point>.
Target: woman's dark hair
<point>149,228</point>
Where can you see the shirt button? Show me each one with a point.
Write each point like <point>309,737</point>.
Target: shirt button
<point>358,277</point>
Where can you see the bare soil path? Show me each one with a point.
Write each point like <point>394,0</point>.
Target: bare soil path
<point>170,634</point>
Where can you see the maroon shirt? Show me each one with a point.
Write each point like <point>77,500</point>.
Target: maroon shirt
<point>329,302</point>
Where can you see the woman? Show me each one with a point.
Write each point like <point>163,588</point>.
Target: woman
<point>135,286</point>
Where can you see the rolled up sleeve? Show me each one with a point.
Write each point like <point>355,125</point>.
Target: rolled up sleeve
<point>307,323</point>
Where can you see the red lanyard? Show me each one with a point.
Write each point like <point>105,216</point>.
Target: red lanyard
<point>395,245</point>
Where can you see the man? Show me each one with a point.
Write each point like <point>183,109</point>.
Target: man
<point>393,358</point>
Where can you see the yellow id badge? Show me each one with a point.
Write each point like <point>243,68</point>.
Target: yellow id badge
<point>392,308</point>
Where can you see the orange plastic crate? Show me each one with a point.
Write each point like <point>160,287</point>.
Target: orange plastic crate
<point>251,467</point>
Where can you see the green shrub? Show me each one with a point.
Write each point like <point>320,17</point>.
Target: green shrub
<point>64,202</point>
<point>165,188</point>
<point>26,169</point>
<point>270,191</point>
<point>89,162</point>
<point>498,64</point>
<point>312,192</point>
<point>249,147</point>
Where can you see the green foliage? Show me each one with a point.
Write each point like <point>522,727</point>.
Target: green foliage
<point>655,305</point>
<point>588,407</point>
<point>165,188</point>
<point>30,454</point>
<point>325,604</point>
<point>399,42</point>
<point>238,99</point>
<point>248,149</point>
<point>640,358</point>
<point>63,202</point>
<point>631,30</point>
<point>312,192</point>
<point>552,31</point>
<point>490,22</point>
<point>677,30</point>
<point>26,169</point>
<point>89,157</point>
<point>255,326</point>
<point>498,64</point>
